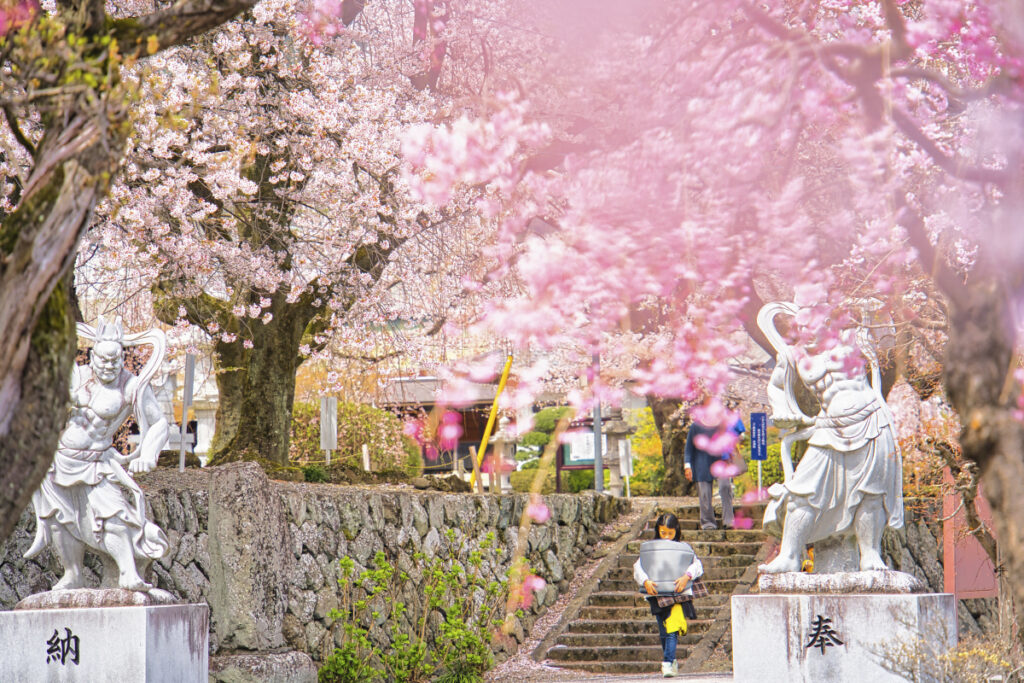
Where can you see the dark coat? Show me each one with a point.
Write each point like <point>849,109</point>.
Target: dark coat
<point>700,461</point>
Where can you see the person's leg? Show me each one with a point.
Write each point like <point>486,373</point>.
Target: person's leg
<point>662,633</point>
<point>707,511</point>
<point>669,648</point>
<point>668,645</point>
<point>725,492</point>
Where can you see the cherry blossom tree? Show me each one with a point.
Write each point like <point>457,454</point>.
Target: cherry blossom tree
<point>860,158</point>
<point>263,204</point>
<point>67,119</point>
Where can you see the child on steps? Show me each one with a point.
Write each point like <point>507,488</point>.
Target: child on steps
<point>667,528</point>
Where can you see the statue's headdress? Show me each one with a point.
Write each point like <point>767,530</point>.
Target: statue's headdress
<point>114,331</point>
<point>110,331</point>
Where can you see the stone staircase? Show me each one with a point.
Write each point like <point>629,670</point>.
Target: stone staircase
<point>614,632</point>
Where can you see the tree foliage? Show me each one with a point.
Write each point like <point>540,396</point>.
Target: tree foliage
<point>863,159</point>
<point>67,120</point>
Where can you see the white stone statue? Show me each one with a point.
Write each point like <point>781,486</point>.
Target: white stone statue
<point>82,501</point>
<point>849,482</point>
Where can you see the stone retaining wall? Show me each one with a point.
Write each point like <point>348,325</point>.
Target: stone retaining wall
<point>263,554</point>
<point>917,549</point>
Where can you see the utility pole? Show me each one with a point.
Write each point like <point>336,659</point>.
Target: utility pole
<point>598,463</point>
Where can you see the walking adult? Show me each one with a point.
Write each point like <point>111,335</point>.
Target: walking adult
<point>697,461</point>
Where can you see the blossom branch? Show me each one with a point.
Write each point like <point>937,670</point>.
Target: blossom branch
<point>946,163</point>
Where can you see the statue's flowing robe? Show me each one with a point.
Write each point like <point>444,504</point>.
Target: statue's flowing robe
<point>851,453</point>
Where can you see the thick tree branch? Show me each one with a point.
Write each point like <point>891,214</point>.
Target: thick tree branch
<point>992,87</point>
<point>949,165</point>
<point>965,477</point>
<point>931,261</point>
<point>173,26</point>
<point>199,309</point>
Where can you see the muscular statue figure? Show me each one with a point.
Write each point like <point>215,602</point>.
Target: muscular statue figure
<point>850,479</point>
<point>81,502</point>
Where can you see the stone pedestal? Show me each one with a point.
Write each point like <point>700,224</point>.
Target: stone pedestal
<point>154,644</point>
<point>611,463</point>
<point>616,431</point>
<point>779,638</point>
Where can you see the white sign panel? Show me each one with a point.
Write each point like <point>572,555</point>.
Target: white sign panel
<point>581,447</point>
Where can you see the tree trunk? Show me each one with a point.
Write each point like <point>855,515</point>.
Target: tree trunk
<point>978,359</point>
<point>71,163</point>
<point>257,387</point>
<point>672,427</point>
<point>37,337</point>
<point>27,447</point>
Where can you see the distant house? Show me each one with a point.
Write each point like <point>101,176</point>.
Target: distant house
<point>414,396</point>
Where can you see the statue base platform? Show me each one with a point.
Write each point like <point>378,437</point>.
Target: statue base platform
<point>779,638</point>
<point>97,597</point>
<point>155,644</point>
<point>882,581</point>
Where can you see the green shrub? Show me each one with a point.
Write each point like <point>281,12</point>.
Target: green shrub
<point>314,474</point>
<point>522,481</point>
<point>413,456</point>
<point>574,481</point>
<point>771,468</point>
<point>460,651</point>
<point>358,424</point>
<point>533,442</point>
<point>648,461</point>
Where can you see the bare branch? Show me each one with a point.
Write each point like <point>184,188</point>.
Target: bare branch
<point>12,121</point>
<point>931,261</point>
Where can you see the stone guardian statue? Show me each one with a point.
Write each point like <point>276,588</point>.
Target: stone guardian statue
<point>88,499</point>
<point>849,484</point>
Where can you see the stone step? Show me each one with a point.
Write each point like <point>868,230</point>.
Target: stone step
<point>707,535</point>
<point>713,600</point>
<point>632,612</point>
<point>645,638</point>
<point>711,573</point>
<point>693,509</point>
<point>599,666</point>
<point>613,626</point>
<point>705,548</point>
<point>623,571</point>
<point>647,624</point>
<point>606,585</point>
<point>636,653</point>
<point>694,524</point>
<point>634,597</point>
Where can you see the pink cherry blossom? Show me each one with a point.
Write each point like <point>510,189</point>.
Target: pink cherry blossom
<point>538,511</point>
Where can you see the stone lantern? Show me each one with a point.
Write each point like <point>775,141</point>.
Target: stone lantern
<point>615,430</point>
<point>503,443</point>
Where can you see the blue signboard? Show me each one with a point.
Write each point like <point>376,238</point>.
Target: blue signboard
<point>758,436</point>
